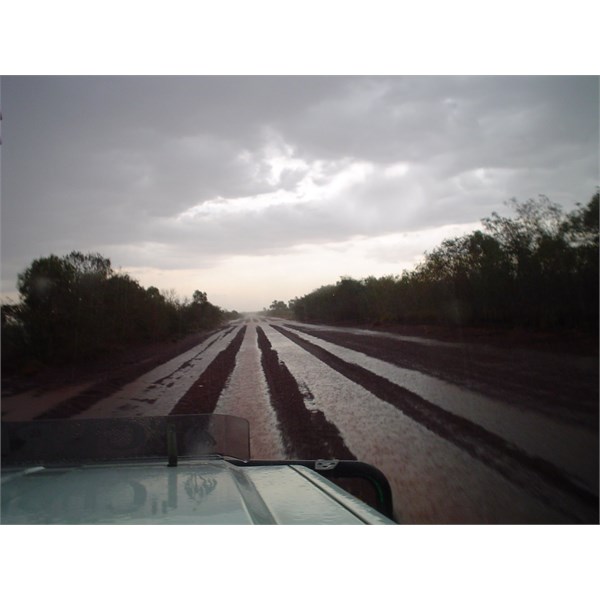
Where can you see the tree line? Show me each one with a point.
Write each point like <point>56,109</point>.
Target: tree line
<point>536,269</point>
<point>278,308</point>
<point>77,307</point>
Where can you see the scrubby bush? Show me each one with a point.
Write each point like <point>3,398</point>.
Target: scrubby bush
<point>538,268</point>
<point>76,307</point>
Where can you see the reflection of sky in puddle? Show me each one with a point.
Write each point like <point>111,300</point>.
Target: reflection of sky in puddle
<point>431,479</point>
<point>246,395</point>
<point>569,448</point>
<point>157,392</point>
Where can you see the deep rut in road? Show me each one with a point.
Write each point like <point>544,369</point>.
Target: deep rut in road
<point>537,476</point>
<point>548,390</point>
<point>71,407</point>
<point>306,433</point>
<point>204,394</point>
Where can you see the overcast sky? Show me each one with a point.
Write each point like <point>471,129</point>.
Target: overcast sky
<point>260,188</point>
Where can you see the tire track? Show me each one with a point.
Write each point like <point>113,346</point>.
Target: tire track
<point>203,395</point>
<point>83,401</point>
<point>575,402</point>
<point>189,362</point>
<point>572,449</point>
<point>536,476</point>
<point>306,434</point>
<point>246,395</point>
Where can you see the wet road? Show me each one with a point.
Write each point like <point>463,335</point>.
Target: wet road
<point>456,447</point>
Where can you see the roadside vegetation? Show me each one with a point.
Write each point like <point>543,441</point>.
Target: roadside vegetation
<point>76,307</point>
<point>537,269</point>
<point>278,308</point>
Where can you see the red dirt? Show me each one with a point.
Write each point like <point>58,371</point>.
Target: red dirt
<point>502,364</point>
<point>126,364</point>
<point>530,375</point>
<point>577,343</point>
<point>123,365</point>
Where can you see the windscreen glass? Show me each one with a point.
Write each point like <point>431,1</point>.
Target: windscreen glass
<point>98,440</point>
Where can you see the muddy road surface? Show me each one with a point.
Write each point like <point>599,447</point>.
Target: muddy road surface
<point>465,433</point>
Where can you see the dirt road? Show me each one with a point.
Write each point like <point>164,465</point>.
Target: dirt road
<point>466,433</point>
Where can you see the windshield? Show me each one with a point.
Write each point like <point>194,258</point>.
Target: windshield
<point>83,441</point>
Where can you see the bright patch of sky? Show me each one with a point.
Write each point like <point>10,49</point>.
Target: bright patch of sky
<point>301,269</point>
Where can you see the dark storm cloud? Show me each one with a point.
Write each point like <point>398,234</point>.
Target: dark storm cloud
<point>480,121</point>
<point>114,162</point>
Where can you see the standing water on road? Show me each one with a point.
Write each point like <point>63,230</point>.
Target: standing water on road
<point>246,395</point>
<point>432,480</point>
<point>563,444</point>
<point>158,391</point>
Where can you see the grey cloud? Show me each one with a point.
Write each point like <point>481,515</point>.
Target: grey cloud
<point>481,121</point>
<point>91,162</point>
